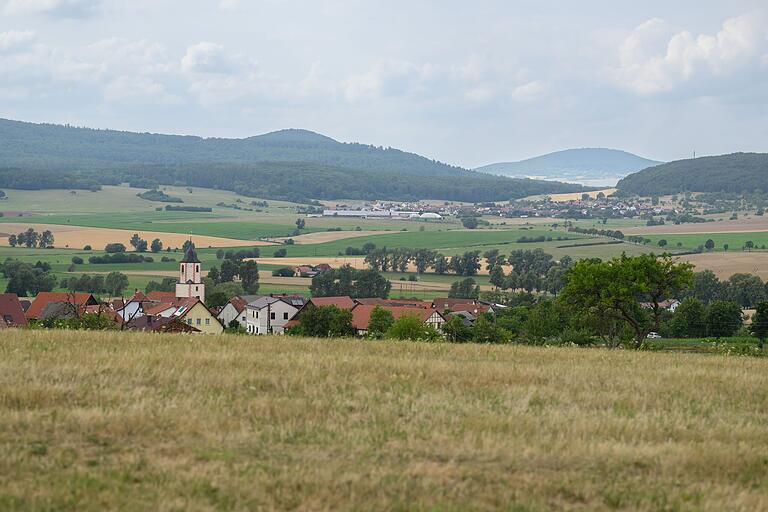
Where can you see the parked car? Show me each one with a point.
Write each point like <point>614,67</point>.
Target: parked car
<point>654,336</point>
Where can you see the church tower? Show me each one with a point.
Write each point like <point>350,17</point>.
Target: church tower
<point>190,277</point>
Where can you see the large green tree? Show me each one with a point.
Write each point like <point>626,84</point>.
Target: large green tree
<point>723,319</point>
<point>759,326</point>
<point>629,289</point>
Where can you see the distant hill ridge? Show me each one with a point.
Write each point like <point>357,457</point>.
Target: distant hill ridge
<point>737,172</point>
<point>24,143</point>
<point>585,162</point>
<point>294,165</point>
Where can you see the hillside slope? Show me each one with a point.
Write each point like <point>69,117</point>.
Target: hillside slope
<point>578,165</point>
<point>738,172</point>
<point>23,144</point>
<point>294,165</point>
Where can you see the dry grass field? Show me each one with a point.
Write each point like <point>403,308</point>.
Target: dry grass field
<point>77,237</point>
<point>725,264</point>
<point>742,225</point>
<point>573,196</point>
<point>137,422</point>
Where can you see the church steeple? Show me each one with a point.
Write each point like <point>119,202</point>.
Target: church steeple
<point>190,275</point>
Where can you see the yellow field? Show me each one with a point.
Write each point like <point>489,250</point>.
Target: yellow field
<point>725,264</point>
<point>76,237</point>
<point>97,421</point>
<point>561,198</point>
<point>742,225</point>
<point>357,262</point>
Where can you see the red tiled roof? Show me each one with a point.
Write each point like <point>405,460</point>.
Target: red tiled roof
<point>156,309</point>
<point>100,309</point>
<point>139,296</point>
<point>161,296</point>
<point>361,315</point>
<point>412,303</point>
<point>446,303</point>
<point>239,303</point>
<point>45,298</point>
<point>11,312</point>
<point>342,302</point>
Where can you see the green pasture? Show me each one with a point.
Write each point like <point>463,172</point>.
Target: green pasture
<point>735,241</point>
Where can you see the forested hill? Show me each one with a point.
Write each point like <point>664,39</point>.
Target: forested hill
<point>738,172</point>
<point>294,165</point>
<point>585,161</point>
<point>26,144</point>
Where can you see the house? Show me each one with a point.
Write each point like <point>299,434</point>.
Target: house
<point>149,323</point>
<point>403,303</point>
<point>342,302</point>
<point>161,296</point>
<point>233,310</point>
<point>43,299</point>
<point>268,315</point>
<point>443,303</point>
<point>668,304</point>
<point>133,308</point>
<point>193,312</point>
<point>361,316</point>
<point>11,311</point>
<point>162,309</point>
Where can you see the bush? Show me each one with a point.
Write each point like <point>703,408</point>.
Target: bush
<point>77,260</point>
<point>87,248</point>
<point>412,328</point>
<point>280,253</point>
<point>114,248</point>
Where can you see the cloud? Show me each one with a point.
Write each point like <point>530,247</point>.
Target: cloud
<point>138,88</point>
<point>15,40</point>
<point>654,58</point>
<point>55,8</point>
<point>207,58</point>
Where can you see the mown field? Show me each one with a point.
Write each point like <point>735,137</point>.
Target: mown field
<point>96,421</point>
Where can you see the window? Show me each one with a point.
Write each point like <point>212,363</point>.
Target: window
<point>197,288</point>
<point>207,321</point>
<point>189,321</point>
<point>197,268</point>
<point>198,321</point>
<point>255,314</point>
<point>285,316</point>
<point>271,316</point>
<point>8,319</point>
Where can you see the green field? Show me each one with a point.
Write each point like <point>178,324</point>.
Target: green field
<point>735,241</point>
<point>126,421</point>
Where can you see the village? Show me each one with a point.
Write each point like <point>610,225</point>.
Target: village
<point>185,310</point>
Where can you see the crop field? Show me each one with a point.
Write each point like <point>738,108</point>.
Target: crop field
<point>734,240</point>
<point>105,421</point>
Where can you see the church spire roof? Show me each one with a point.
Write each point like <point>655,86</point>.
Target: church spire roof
<point>190,256</point>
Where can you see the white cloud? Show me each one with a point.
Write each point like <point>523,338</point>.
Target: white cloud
<point>15,40</point>
<point>207,58</point>
<point>54,8</point>
<point>138,88</point>
<point>229,5</point>
<point>654,58</point>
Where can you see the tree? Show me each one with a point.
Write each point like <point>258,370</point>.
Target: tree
<point>13,240</point>
<point>759,326</point>
<point>77,260</point>
<point>455,331</point>
<point>114,248</point>
<point>115,283</point>
<point>725,247</point>
<point>281,253</point>
<point>300,223</point>
<point>689,319</point>
<point>229,270</point>
<point>138,243</point>
<point>381,320</point>
<point>156,246</point>
<point>497,277</point>
<point>464,289</point>
<point>745,289</point>
<point>707,287</point>
<point>441,265</point>
<point>469,222</point>
<point>492,259</point>
<point>370,283</point>
<point>709,244</point>
<point>628,289</point>
<point>423,259</point>
<point>46,239</point>
<point>546,319</point>
<point>325,322</point>
<point>214,275</point>
<point>216,299</point>
<point>723,319</point>
<point>749,245</point>
<point>662,243</point>
<point>485,330</point>
<point>29,237</point>
<point>249,276</point>
<point>409,327</point>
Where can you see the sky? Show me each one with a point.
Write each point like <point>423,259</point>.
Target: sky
<point>468,83</point>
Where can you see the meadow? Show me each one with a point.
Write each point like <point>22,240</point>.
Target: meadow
<point>105,421</point>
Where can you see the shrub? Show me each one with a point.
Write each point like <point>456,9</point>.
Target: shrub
<point>77,260</point>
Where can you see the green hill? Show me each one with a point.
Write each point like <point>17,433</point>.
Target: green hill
<point>295,165</point>
<point>738,172</point>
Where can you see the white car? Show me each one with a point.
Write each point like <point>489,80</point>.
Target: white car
<point>653,336</point>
